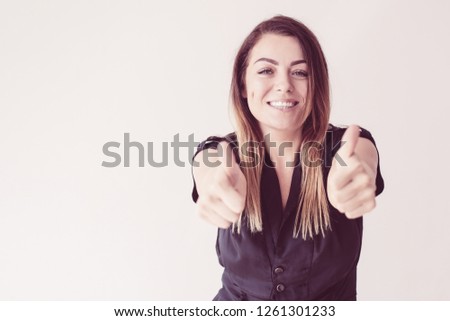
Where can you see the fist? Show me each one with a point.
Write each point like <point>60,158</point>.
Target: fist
<point>351,181</point>
<point>222,189</point>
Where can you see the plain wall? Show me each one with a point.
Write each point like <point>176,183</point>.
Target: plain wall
<point>76,75</point>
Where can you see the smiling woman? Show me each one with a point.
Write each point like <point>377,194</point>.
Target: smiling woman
<point>290,227</point>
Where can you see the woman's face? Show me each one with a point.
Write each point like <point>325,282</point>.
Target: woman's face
<point>276,84</point>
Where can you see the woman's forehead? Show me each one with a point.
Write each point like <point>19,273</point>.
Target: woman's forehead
<point>276,47</point>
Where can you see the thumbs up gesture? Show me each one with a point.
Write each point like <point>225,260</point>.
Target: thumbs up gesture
<point>222,189</point>
<point>351,180</point>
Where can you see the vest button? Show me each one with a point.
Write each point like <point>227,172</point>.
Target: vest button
<point>280,287</point>
<point>278,270</point>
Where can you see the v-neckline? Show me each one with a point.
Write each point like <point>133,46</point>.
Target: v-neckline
<point>269,164</point>
<point>281,214</point>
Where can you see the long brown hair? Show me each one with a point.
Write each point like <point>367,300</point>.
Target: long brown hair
<point>312,213</point>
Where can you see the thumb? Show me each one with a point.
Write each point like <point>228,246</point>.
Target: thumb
<point>349,140</point>
<point>234,172</point>
<point>237,191</point>
<point>231,167</point>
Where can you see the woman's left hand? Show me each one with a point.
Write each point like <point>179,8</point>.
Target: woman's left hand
<point>351,181</point>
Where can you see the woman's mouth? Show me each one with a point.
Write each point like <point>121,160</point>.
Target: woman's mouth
<point>282,105</point>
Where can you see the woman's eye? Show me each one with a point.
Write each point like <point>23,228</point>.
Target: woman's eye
<point>265,71</point>
<point>300,73</point>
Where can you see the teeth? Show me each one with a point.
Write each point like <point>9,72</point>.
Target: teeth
<point>282,104</point>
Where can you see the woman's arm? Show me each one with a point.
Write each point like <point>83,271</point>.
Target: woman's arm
<point>221,186</point>
<point>351,182</point>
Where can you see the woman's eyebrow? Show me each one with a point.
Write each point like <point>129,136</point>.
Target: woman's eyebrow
<point>297,62</point>
<point>274,62</point>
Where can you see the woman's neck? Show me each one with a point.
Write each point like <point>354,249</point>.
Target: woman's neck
<point>282,147</point>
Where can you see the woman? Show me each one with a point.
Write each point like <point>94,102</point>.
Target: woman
<point>288,201</point>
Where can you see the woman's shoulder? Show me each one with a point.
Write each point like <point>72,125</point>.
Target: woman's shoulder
<point>333,140</point>
<point>213,141</point>
<point>335,132</point>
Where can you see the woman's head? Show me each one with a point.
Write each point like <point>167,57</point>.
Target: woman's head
<point>304,84</point>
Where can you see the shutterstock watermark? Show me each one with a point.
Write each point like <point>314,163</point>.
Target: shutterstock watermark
<point>119,154</point>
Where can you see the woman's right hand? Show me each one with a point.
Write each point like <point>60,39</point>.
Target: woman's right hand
<point>221,186</point>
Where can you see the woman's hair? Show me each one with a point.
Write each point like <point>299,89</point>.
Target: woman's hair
<point>312,212</point>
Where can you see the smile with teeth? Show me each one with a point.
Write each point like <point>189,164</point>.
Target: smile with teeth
<point>282,104</point>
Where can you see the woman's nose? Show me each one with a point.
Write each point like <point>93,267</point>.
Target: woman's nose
<point>284,84</point>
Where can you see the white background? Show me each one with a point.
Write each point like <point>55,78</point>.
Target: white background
<point>75,75</point>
